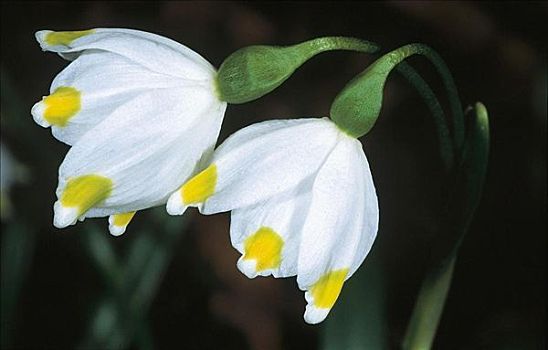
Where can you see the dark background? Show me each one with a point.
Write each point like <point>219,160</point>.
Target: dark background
<point>53,284</point>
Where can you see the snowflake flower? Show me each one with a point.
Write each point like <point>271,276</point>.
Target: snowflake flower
<point>302,200</point>
<point>140,112</point>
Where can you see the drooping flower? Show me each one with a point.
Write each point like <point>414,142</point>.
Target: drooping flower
<point>141,114</point>
<point>302,200</point>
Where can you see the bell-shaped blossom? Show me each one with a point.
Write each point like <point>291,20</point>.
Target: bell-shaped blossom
<point>302,200</point>
<point>141,113</point>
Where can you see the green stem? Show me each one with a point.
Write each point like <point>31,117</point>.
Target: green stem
<point>395,59</point>
<point>449,83</point>
<point>444,137</point>
<point>311,48</point>
<point>450,87</point>
<point>452,93</point>
<point>357,107</point>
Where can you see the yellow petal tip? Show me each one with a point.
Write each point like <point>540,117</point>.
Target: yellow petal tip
<point>200,187</point>
<point>83,192</point>
<point>119,222</point>
<point>63,38</point>
<point>328,287</point>
<point>59,107</point>
<point>264,247</point>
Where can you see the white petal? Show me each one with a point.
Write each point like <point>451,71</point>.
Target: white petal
<point>64,216</point>
<point>147,147</point>
<point>117,224</point>
<point>341,225</point>
<point>370,207</point>
<point>315,315</point>
<point>283,215</point>
<point>38,110</point>
<point>116,230</point>
<point>175,205</point>
<point>105,81</point>
<point>266,159</point>
<point>157,53</point>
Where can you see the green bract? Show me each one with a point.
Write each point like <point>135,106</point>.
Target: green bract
<point>254,71</point>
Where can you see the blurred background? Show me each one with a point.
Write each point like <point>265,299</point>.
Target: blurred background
<point>172,281</point>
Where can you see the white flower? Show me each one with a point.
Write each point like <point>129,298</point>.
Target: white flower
<point>140,112</point>
<point>303,203</point>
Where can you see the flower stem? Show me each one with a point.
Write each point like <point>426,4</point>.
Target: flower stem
<point>450,87</point>
<point>311,48</point>
<point>452,93</point>
<point>357,107</point>
<point>396,57</point>
<point>444,138</point>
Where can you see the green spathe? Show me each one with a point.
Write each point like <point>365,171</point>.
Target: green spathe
<point>254,71</point>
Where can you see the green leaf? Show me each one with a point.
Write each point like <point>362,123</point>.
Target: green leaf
<point>358,320</point>
<point>17,250</point>
<point>468,188</point>
<point>127,300</point>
